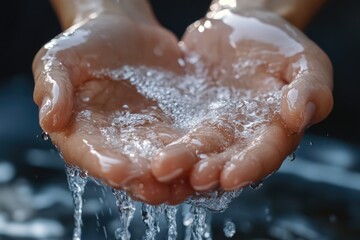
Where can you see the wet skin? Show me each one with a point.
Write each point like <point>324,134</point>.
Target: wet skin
<point>254,51</point>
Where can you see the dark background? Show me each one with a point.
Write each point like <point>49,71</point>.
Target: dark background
<point>311,191</point>
<point>27,25</point>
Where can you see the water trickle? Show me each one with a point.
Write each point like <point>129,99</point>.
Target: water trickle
<point>126,208</point>
<point>229,228</point>
<point>198,226</point>
<point>268,216</point>
<point>45,136</point>
<point>77,180</point>
<point>291,157</point>
<point>151,218</point>
<point>170,216</point>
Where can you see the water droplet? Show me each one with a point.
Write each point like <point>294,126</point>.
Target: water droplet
<point>229,229</point>
<point>257,185</point>
<point>181,62</point>
<point>45,136</point>
<point>291,157</point>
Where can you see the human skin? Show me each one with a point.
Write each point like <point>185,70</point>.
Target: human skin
<point>105,35</point>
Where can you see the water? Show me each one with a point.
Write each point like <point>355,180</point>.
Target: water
<point>229,228</point>
<point>170,215</point>
<point>257,185</point>
<point>196,214</point>
<point>126,208</point>
<point>184,103</point>
<point>198,226</point>
<point>77,181</point>
<point>151,217</point>
<point>181,103</point>
<point>45,136</point>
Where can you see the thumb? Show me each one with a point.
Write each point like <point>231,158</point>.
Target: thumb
<point>308,98</point>
<point>53,93</point>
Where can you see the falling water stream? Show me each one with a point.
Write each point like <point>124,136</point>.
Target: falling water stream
<point>77,181</point>
<point>195,212</point>
<point>245,111</point>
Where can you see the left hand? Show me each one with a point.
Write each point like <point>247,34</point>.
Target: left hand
<point>259,53</point>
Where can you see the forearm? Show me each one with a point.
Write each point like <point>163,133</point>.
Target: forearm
<point>298,12</point>
<point>70,12</point>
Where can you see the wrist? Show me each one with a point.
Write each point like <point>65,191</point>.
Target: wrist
<point>71,12</point>
<point>297,12</point>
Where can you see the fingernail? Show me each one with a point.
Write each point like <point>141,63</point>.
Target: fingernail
<point>46,106</point>
<point>172,175</point>
<point>308,117</point>
<point>206,187</point>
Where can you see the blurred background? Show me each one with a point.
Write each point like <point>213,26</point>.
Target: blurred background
<point>317,196</point>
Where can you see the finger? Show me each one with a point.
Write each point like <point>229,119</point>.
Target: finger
<point>205,174</point>
<point>176,160</point>
<point>262,157</point>
<point>308,98</point>
<point>56,72</point>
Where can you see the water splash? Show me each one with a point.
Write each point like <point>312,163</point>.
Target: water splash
<point>291,157</point>
<point>45,136</point>
<point>77,180</point>
<point>184,102</point>
<point>126,208</point>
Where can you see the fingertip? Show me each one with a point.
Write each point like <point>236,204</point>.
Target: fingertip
<point>304,104</point>
<point>205,174</point>
<point>172,163</point>
<point>235,176</point>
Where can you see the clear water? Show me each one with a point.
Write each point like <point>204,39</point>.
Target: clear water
<point>229,228</point>
<point>126,208</point>
<point>77,181</point>
<point>195,217</point>
<point>34,211</point>
<point>184,102</point>
<point>170,216</point>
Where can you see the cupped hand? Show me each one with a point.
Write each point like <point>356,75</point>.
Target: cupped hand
<point>261,56</point>
<point>78,104</point>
